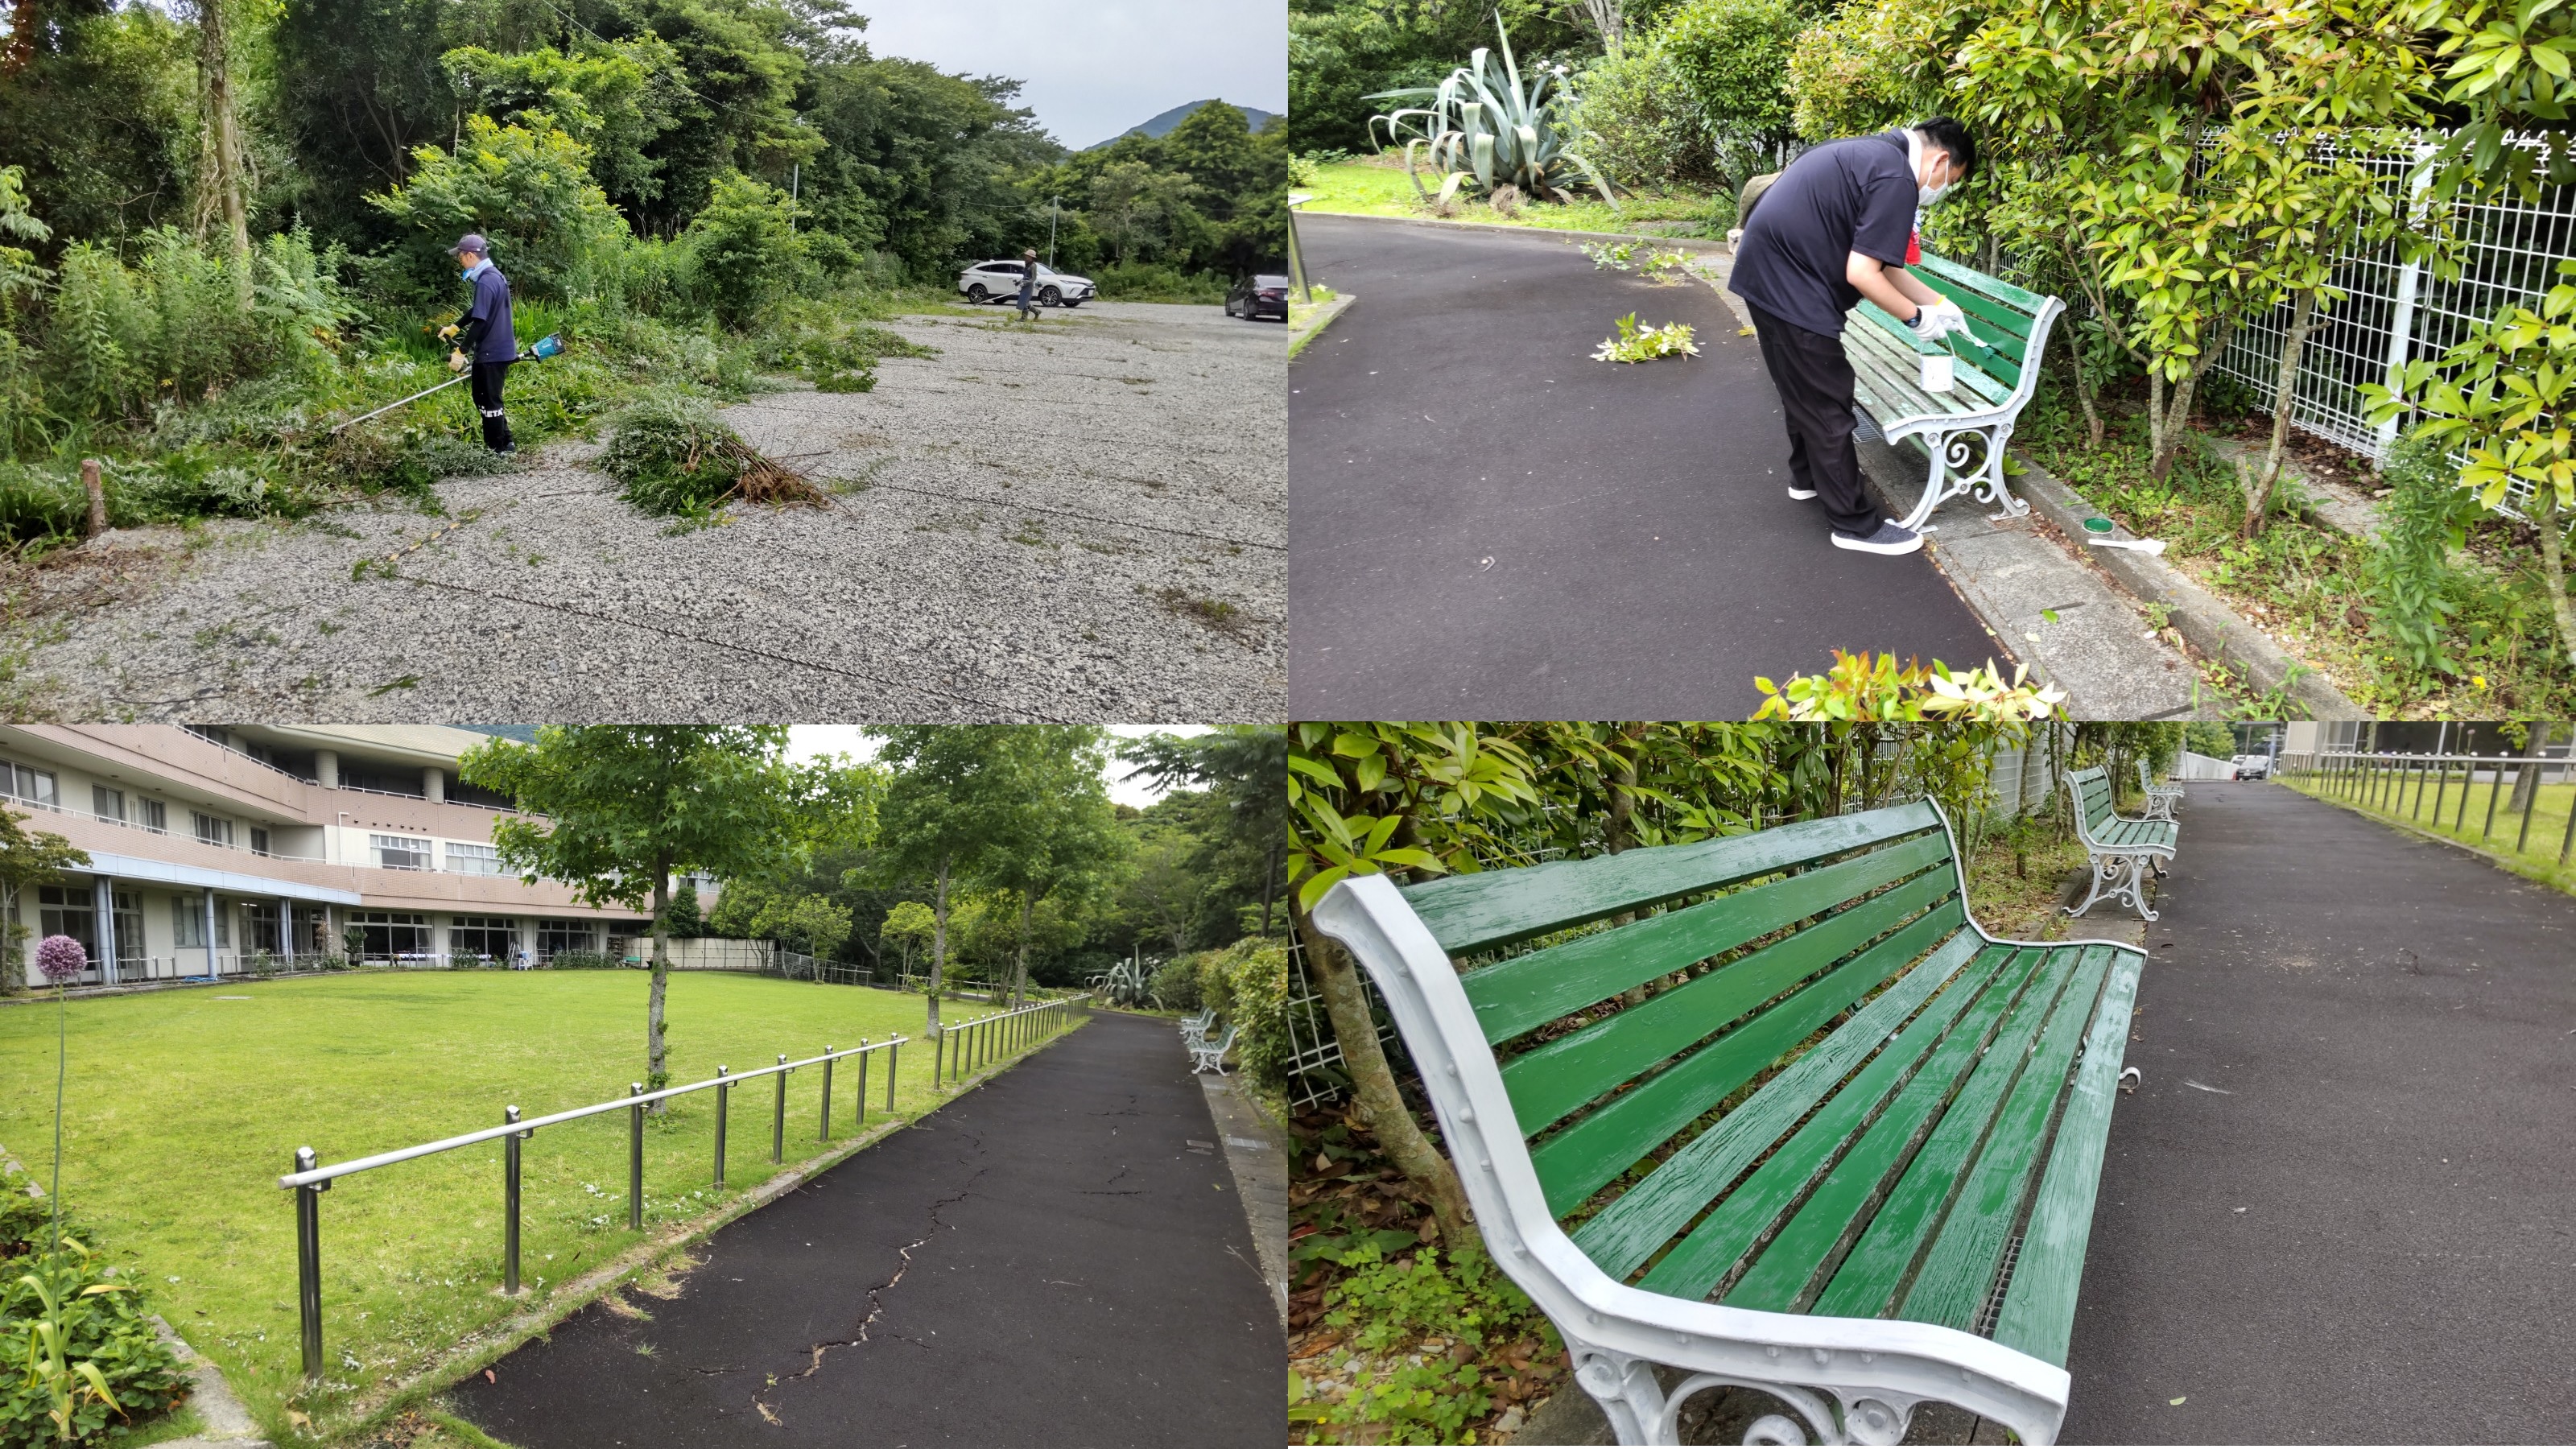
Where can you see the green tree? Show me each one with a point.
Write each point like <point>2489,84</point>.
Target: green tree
<point>28,859</point>
<point>1731,57</point>
<point>529,190</point>
<point>618,809</point>
<point>1063,840</point>
<point>948,813</point>
<point>1246,768</point>
<point>747,250</point>
<point>357,90</point>
<point>1145,214</point>
<point>682,920</point>
<point>910,925</point>
<point>615,99</point>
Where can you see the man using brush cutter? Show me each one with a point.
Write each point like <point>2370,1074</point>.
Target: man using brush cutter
<point>489,344</point>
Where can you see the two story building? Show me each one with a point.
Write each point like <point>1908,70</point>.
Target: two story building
<point>215,851</point>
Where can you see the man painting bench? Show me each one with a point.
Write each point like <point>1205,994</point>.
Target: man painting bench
<point>1897,1212</point>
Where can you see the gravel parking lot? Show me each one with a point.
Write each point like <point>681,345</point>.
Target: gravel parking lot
<point>1084,520</point>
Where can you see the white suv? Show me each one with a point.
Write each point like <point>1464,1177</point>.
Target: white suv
<point>999,281</point>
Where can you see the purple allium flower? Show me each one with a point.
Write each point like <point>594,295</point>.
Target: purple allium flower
<point>60,958</point>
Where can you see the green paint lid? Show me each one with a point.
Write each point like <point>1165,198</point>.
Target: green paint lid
<point>2098,525</point>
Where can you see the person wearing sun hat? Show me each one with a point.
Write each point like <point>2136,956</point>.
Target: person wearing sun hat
<point>488,344</point>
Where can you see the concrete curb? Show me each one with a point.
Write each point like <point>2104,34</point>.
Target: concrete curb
<point>1316,322</point>
<point>228,1424</point>
<point>1258,1159</point>
<point>2201,617</point>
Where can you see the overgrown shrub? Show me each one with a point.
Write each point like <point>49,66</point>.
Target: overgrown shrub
<point>1153,282</point>
<point>1639,122</point>
<point>1730,59</point>
<point>2414,590</point>
<point>1247,984</point>
<point>1846,75</point>
<point>1176,984</point>
<point>746,249</point>
<point>528,189</point>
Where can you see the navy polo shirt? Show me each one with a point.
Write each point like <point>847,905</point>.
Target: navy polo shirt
<point>1842,197</point>
<point>492,308</point>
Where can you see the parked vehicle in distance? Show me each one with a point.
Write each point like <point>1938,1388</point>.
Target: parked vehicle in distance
<point>1263,294</point>
<point>999,281</point>
<point>2253,767</point>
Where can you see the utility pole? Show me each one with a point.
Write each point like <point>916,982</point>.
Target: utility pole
<point>1051,213</point>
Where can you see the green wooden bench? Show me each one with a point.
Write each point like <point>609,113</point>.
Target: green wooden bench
<point>1845,1152</point>
<point>1948,394</point>
<point>2122,851</point>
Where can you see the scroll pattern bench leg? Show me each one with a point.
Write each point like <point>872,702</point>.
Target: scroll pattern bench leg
<point>2119,877</point>
<point>1936,485</point>
<point>1992,490</point>
<point>1640,1412</point>
<point>2160,807</point>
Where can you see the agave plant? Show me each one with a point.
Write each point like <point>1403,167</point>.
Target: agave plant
<point>1485,131</point>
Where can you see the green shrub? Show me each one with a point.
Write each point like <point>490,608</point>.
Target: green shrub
<point>1176,984</point>
<point>529,190</point>
<point>2414,590</point>
<point>40,501</point>
<point>1730,58</point>
<point>1155,282</point>
<point>1247,984</point>
<point>1639,122</point>
<point>746,249</point>
<point>104,1320</point>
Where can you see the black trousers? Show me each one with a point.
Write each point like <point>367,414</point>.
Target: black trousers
<point>1815,383</point>
<point>486,387</point>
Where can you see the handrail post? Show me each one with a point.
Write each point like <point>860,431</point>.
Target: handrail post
<point>635,1159</point>
<point>510,1206</point>
<point>2495,790</point>
<point>308,1262</point>
<point>894,1058</point>
<point>778,1116</point>
<point>2522,837</point>
<point>863,1082</point>
<point>825,1134</point>
<point>722,1087</point>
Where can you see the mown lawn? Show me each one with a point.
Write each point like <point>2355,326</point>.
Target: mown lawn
<point>1374,188</point>
<point>185,1106</point>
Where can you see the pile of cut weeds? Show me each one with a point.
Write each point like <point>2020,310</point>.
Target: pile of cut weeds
<point>672,458</point>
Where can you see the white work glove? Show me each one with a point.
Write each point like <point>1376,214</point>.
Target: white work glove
<point>1941,319</point>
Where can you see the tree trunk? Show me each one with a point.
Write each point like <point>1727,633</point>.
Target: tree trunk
<point>657,1072</point>
<point>2177,416</point>
<point>222,155</point>
<point>2553,560</point>
<point>1381,1105</point>
<point>938,946</point>
<point>2285,391</point>
<point>1269,883</point>
<point>2526,778</point>
<point>2084,391</point>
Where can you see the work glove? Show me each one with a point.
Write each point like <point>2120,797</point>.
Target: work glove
<point>456,360</point>
<point>446,332</point>
<point>1941,319</point>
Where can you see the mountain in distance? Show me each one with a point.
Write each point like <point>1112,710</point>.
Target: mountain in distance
<point>1161,125</point>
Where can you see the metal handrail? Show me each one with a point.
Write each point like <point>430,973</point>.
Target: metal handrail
<point>2377,780</point>
<point>979,1037</point>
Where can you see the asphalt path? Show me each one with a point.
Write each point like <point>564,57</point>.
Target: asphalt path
<point>2360,1227</point>
<point>1488,523</point>
<point>1047,1260</point>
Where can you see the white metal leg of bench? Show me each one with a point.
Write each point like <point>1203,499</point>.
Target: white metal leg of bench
<point>2120,877</point>
<point>1949,475</point>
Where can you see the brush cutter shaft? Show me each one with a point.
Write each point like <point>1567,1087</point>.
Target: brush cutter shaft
<point>389,407</point>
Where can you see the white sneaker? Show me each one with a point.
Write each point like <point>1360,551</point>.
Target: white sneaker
<point>1889,539</point>
<point>1801,494</point>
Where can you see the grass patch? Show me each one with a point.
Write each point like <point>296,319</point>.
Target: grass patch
<point>185,1107</point>
<point>1373,186</point>
<point>2454,812</point>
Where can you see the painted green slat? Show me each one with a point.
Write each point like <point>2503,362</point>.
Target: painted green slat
<point>1779,1278</point>
<point>2039,1307</point>
<point>1575,1163</point>
<point>1898,379</point>
<point>1866,1282</point>
<point>1628,1231</point>
<point>1549,1082</point>
<point>1977,355</point>
<point>1950,1287</point>
<point>1996,287</point>
<point>1974,364</point>
<point>1986,388</point>
<point>1513,996</point>
<point>1996,327</point>
<point>1886,322</point>
<point>1468,913</point>
<point>1721,1239</point>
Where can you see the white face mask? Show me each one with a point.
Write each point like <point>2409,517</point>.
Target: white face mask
<point>1923,195</point>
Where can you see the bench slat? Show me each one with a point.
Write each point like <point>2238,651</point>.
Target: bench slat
<point>2009,328</point>
<point>1891,390</point>
<point>1547,1083</point>
<point>1514,996</point>
<point>1779,1279</point>
<point>2039,1304</point>
<point>1720,1241</point>
<point>1958,1275</point>
<point>1867,1282</point>
<point>1577,1161</point>
<point>1470,913</point>
<point>1971,361</point>
<point>2021,298</point>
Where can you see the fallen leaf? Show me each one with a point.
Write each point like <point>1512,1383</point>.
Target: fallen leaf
<point>489,1378</point>
<point>2177,1401</point>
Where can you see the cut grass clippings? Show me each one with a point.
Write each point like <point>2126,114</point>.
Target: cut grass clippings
<point>673,459</point>
<point>186,1106</point>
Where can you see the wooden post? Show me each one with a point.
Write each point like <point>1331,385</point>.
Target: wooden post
<point>97,497</point>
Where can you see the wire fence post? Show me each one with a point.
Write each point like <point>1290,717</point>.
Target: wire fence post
<point>721,1089</point>
<point>2401,321</point>
<point>635,1159</point>
<point>308,1262</point>
<point>824,1134</point>
<point>510,1206</point>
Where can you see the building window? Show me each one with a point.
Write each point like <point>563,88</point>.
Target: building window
<point>390,935</point>
<point>107,804</point>
<point>400,852</point>
<point>259,926</point>
<point>212,829</point>
<point>68,911</point>
<point>473,859</point>
<point>211,734</point>
<point>259,840</point>
<point>557,936</point>
<point>129,928</point>
<point>154,816</point>
<point>488,936</point>
<point>188,922</point>
<point>27,783</point>
<point>380,782</point>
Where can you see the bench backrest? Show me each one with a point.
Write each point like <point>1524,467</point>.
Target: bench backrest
<point>2092,790</point>
<point>2011,326</point>
<point>1801,922</point>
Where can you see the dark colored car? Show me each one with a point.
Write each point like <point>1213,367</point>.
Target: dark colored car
<point>1258,296</point>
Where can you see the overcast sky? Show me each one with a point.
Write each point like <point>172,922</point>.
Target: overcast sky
<point>805,742</point>
<point>1093,70</point>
